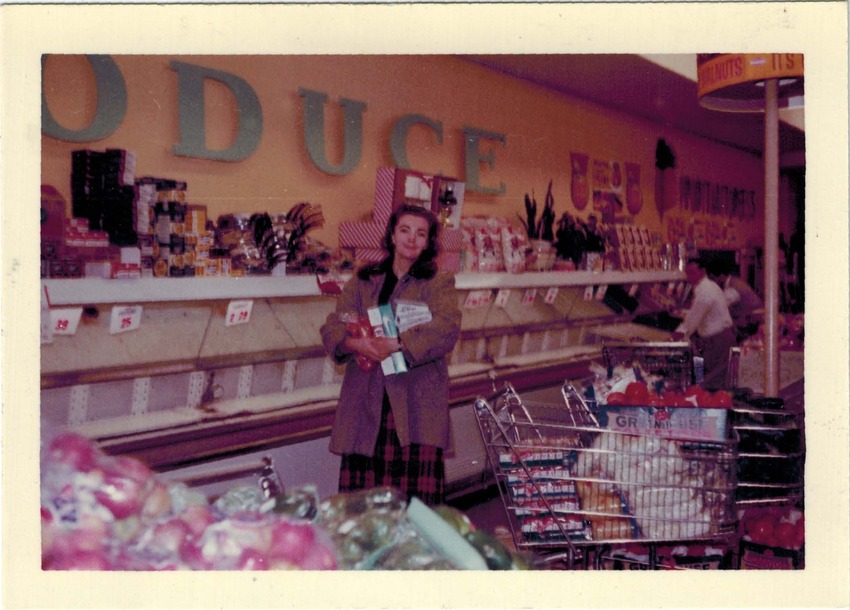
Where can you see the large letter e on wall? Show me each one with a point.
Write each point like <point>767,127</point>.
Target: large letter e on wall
<point>190,85</point>
<point>111,104</point>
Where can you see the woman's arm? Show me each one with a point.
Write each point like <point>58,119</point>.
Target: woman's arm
<point>338,342</point>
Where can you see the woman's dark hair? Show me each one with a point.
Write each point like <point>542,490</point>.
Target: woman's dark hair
<point>425,267</point>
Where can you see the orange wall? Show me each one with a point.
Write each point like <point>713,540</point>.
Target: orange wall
<point>541,129</point>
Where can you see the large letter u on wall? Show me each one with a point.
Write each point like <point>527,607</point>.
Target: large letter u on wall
<point>314,132</point>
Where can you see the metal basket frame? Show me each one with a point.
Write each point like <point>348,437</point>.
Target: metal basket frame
<point>521,435</point>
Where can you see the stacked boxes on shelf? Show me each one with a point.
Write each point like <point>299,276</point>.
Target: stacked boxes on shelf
<point>69,246</point>
<point>637,249</point>
<point>103,192</point>
<point>394,187</point>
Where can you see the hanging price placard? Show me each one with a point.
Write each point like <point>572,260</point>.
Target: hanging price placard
<point>588,293</point>
<point>502,297</point>
<point>238,312</point>
<point>65,321</point>
<point>472,300</point>
<point>125,318</point>
<point>600,292</point>
<point>477,298</point>
<point>551,295</point>
<point>528,296</point>
<point>633,290</point>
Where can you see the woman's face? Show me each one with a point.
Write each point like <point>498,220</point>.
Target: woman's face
<point>410,237</point>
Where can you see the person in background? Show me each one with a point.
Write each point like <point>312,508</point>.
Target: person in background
<point>392,429</point>
<point>742,300</point>
<point>709,317</point>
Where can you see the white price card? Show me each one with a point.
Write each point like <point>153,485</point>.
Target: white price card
<point>502,297</point>
<point>588,293</point>
<point>64,321</point>
<point>600,292</point>
<point>633,290</point>
<point>477,298</point>
<point>551,295</point>
<point>670,288</point>
<point>125,318</point>
<point>471,301</point>
<point>238,312</point>
<point>528,296</point>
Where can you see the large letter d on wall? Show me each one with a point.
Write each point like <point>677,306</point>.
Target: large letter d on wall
<point>190,85</point>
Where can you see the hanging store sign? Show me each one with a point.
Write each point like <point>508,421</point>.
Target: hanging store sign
<point>480,145</point>
<point>731,81</point>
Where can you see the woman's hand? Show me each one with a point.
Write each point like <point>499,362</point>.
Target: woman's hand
<point>373,348</point>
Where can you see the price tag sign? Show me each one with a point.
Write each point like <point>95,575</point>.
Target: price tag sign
<point>551,295</point>
<point>238,312</point>
<point>64,321</point>
<point>125,318</point>
<point>528,296</point>
<point>477,298</point>
<point>502,297</point>
<point>588,293</point>
<point>633,290</point>
<point>600,292</point>
<point>670,288</point>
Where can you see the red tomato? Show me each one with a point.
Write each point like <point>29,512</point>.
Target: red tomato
<point>698,396</point>
<point>762,530</point>
<point>616,398</point>
<point>673,399</point>
<point>785,535</point>
<point>637,393</point>
<point>799,534</point>
<point>722,398</point>
<point>654,400</point>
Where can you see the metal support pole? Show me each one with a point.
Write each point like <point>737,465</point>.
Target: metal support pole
<point>771,237</point>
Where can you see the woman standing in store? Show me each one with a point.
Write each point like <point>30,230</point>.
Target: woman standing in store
<point>392,429</point>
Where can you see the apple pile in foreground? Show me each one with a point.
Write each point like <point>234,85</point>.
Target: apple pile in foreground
<point>100,512</point>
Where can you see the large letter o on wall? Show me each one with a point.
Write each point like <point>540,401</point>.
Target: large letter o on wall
<point>111,104</point>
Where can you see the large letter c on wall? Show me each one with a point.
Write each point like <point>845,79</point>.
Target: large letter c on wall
<point>111,104</point>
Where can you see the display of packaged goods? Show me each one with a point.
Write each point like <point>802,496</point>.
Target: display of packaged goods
<point>550,529</point>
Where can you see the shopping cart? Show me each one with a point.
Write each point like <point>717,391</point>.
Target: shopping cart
<point>573,490</point>
<point>673,361</point>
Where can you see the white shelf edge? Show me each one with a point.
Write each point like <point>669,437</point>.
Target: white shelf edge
<point>84,291</point>
<point>151,290</point>
<point>476,281</point>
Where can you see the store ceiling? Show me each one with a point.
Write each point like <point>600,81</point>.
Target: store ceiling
<point>635,85</point>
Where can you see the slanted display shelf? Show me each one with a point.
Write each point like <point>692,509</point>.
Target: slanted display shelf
<point>151,290</point>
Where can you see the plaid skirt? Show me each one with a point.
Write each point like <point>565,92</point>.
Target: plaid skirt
<point>417,470</point>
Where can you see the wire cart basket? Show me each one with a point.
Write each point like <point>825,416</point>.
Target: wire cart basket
<point>672,361</point>
<point>573,490</point>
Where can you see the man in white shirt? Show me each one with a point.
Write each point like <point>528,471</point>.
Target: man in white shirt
<point>709,317</point>
<point>743,302</point>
